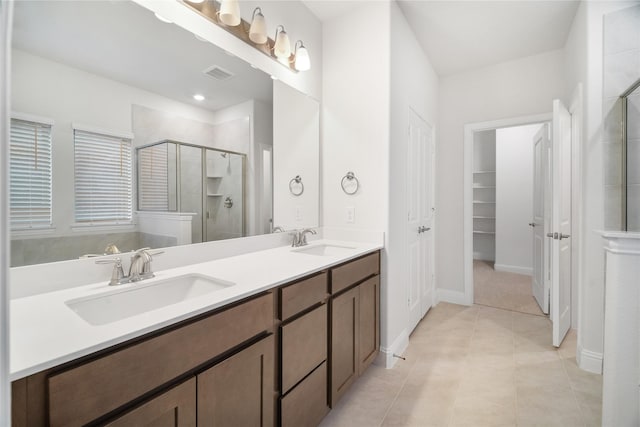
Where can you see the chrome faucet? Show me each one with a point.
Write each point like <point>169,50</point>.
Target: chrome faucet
<point>303,236</point>
<point>300,237</point>
<point>139,269</point>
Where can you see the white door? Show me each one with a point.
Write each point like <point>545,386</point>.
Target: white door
<point>419,218</point>
<point>540,282</point>
<point>561,224</point>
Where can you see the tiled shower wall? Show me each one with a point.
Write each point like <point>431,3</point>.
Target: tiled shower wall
<point>621,69</point>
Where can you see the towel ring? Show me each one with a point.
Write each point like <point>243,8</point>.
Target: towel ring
<point>348,178</point>
<point>296,180</point>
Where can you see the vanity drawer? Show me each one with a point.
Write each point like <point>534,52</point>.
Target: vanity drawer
<point>304,346</point>
<point>353,272</point>
<point>306,405</point>
<point>302,295</point>
<point>84,393</point>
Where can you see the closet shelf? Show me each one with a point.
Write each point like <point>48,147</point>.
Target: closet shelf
<point>484,217</point>
<point>484,186</point>
<point>214,195</point>
<point>213,176</point>
<point>483,201</point>
<point>484,172</point>
<point>483,232</point>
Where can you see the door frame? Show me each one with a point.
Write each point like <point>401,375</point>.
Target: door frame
<point>469,130</point>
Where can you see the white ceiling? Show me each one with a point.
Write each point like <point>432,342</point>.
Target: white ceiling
<point>464,35</point>
<point>125,42</point>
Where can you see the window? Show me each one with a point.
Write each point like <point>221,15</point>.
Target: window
<point>30,175</point>
<point>102,178</point>
<point>153,178</point>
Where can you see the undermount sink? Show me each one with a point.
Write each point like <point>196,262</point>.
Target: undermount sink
<point>143,297</point>
<point>325,250</point>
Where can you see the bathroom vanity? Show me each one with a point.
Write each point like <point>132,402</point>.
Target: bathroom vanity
<point>280,355</point>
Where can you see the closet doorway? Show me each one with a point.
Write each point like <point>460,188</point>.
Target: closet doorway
<point>503,199</point>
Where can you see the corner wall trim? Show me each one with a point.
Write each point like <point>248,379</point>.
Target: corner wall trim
<point>527,271</point>
<point>452,297</point>
<point>588,360</point>
<point>398,346</point>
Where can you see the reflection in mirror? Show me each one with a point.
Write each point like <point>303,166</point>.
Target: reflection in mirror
<point>111,77</point>
<point>194,194</point>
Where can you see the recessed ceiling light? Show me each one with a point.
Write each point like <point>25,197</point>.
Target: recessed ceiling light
<point>162,18</point>
<point>198,97</point>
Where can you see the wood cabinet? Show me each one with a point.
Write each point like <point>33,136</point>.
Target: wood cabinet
<point>240,390</point>
<point>303,352</point>
<point>175,407</point>
<point>355,324</point>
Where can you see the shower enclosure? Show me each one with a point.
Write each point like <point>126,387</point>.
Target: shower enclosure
<point>630,101</point>
<point>208,183</point>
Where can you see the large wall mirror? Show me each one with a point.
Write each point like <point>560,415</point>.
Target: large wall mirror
<point>111,151</point>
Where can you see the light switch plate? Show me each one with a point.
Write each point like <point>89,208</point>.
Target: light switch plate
<point>298,213</point>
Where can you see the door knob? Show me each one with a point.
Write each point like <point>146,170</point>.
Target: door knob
<point>553,235</point>
<point>563,236</point>
<point>420,230</point>
<point>532,224</point>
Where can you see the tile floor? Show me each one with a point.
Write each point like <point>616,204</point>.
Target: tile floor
<point>503,290</point>
<point>476,366</point>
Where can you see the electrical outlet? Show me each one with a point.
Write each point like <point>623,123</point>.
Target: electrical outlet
<point>298,213</point>
<point>351,214</point>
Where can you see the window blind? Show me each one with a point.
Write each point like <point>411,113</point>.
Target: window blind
<point>30,175</point>
<point>102,178</point>
<point>153,179</point>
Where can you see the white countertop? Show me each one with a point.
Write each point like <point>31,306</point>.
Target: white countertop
<point>45,332</point>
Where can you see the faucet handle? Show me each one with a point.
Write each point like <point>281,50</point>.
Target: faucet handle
<point>296,238</point>
<point>117,274</point>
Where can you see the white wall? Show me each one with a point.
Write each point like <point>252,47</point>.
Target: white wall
<point>414,84</point>
<point>355,127</point>
<point>296,135</point>
<point>522,87</point>
<point>514,198</point>
<point>583,64</point>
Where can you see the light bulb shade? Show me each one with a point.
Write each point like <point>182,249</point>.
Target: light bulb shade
<point>282,46</point>
<point>230,12</point>
<point>258,29</point>
<point>302,62</point>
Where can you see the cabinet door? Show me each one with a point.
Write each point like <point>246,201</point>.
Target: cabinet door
<point>344,342</point>
<point>369,314</point>
<point>239,391</point>
<point>173,408</point>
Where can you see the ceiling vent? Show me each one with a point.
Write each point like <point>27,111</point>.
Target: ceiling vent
<point>218,73</point>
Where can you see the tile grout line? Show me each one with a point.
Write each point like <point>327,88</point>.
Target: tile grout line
<point>573,392</point>
<point>455,400</point>
<point>384,417</point>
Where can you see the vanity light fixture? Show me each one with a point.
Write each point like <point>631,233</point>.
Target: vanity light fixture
<point>282,46</point>
<point>162,18</point>
<point>258,29</point>
<point>301,55</point>
<point>198,97</point>
<point>226,15</point>
<point>229,12</point>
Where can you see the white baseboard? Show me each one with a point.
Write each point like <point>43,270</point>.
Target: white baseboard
<point>453,297</point>
<point>527,271</point>
<point>484,256</point>
<point>398,346</point>
<point>588,360</point>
